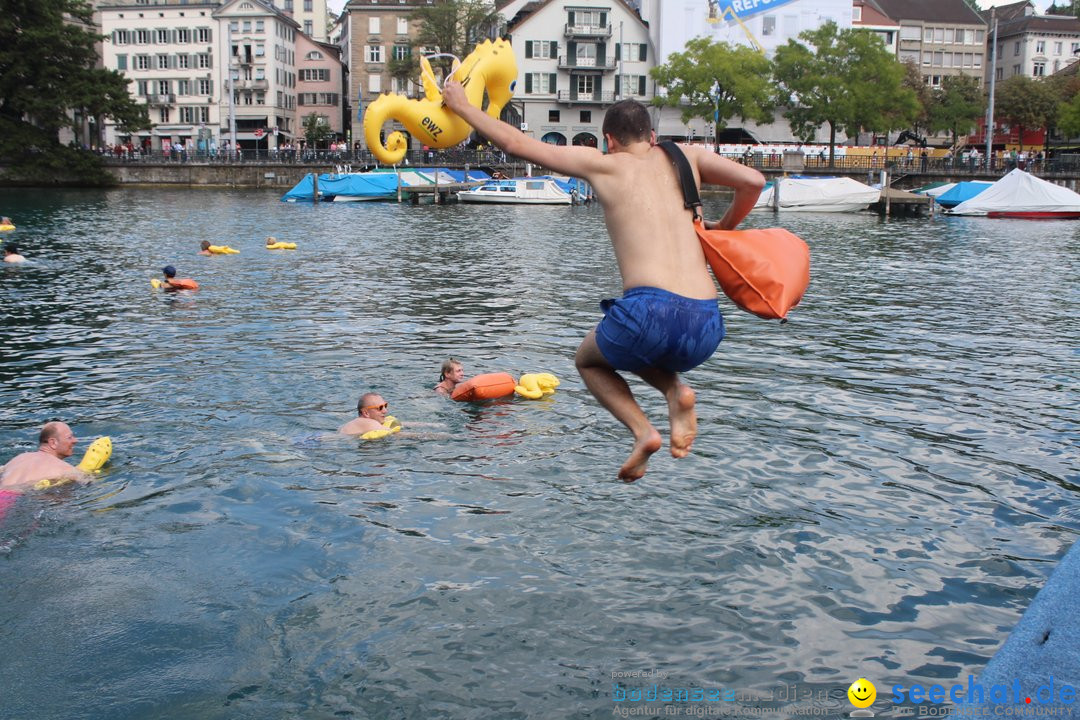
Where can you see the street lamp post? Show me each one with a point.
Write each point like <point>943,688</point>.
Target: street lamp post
<point>716,116</point>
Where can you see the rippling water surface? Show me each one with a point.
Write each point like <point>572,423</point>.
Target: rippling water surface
<point>879,487</point>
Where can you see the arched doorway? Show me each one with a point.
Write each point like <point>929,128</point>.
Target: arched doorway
<point>585,139</point>
<point>554,138</point>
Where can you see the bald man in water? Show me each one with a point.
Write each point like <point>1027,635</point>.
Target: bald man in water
<point>55,443</point>
<point>371,412</point>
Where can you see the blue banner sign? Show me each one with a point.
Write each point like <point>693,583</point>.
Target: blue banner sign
<point>726,10</point>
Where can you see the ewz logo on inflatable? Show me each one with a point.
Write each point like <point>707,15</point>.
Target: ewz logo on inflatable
<point>976,694</point>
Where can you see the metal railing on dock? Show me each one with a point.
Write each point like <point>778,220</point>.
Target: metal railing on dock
<point>1063,169</point>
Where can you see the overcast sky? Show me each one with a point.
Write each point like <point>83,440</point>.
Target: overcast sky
<point>1040,5</point>
<point>336,5</point>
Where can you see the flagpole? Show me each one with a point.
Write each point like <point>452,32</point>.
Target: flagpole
<point>990,106</point>
<point>233,145</point>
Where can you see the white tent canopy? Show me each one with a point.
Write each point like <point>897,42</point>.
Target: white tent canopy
<point>828,194</point>
<point>1021,192</point>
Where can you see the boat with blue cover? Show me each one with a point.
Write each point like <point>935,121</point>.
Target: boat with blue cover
<point>377,184</point>
<point>960,192</point>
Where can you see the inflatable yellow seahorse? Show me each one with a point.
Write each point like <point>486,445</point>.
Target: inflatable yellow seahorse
<point>490,67</point>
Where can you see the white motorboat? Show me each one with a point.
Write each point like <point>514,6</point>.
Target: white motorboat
<point>524,191</point>
<point>802,193</point>
<point>1022,195</point>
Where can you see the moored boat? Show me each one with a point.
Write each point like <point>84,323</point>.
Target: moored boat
<point>377,184</point>
<point>523,191</point>
<point>1022,195</point>
<point>802,193</point>
<point>351,187</point>
<point>960,192</point>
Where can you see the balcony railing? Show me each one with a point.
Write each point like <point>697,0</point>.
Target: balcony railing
<point>161,99</point>
<point>597,98</point>
<point>587,31</point>
<point>582,63</point>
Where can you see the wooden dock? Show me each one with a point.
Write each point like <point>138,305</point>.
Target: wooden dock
<point>440,193</point>
<point>895,202</point>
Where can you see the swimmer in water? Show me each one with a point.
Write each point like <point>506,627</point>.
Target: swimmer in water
<point>56,442</point>
<point>174,283</point>
<point>371,411</point>
<point>11,254</point>
<point>451,375</point>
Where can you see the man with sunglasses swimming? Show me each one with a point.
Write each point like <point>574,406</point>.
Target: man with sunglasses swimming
<point>372,411</point>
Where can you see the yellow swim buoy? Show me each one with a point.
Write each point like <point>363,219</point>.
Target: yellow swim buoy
<point>390,425</point>
<point>97,454</point>
<point>222,250</point>
<point>490,67</point>
<point>6,227</point>
<point>535,385</point>
<point>279,245</point>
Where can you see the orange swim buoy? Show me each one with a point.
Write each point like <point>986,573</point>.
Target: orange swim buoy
<point>485,387</point>
<point>764,271</point>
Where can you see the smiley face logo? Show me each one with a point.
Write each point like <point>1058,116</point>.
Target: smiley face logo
<point>862,693</point>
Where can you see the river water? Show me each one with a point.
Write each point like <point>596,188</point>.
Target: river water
<point>879,487</point>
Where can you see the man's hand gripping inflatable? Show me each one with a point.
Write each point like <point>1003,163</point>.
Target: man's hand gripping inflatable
<point>490,67</point>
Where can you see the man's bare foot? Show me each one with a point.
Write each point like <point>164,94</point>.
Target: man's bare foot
<point>644,447</point>
<point>683,420</point>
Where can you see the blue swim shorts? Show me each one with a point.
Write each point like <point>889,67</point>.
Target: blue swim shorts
<point>653,328</point>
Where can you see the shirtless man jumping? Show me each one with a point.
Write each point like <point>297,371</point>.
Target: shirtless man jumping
<point>668,320</point>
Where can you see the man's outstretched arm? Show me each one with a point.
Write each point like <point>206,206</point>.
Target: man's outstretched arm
<point>745,181</point>
<point>577,161</point>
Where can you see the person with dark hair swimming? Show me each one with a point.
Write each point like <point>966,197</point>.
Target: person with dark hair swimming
<point>11,253</point>
<point>668,320</point>
<point>171,282</point>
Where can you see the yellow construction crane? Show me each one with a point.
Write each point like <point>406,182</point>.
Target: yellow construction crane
<point>716,15</point>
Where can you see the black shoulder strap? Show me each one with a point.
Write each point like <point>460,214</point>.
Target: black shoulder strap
<point>691,198</point>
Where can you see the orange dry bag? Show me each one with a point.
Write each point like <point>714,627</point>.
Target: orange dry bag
<point>485,387</point>
<point>764,272</point>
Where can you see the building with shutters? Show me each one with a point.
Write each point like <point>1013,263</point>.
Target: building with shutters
<point>1031,44</point>
<point>574,60</point>
<point>376,38</point>
<point>170,55</point>
<point>200,65</point>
